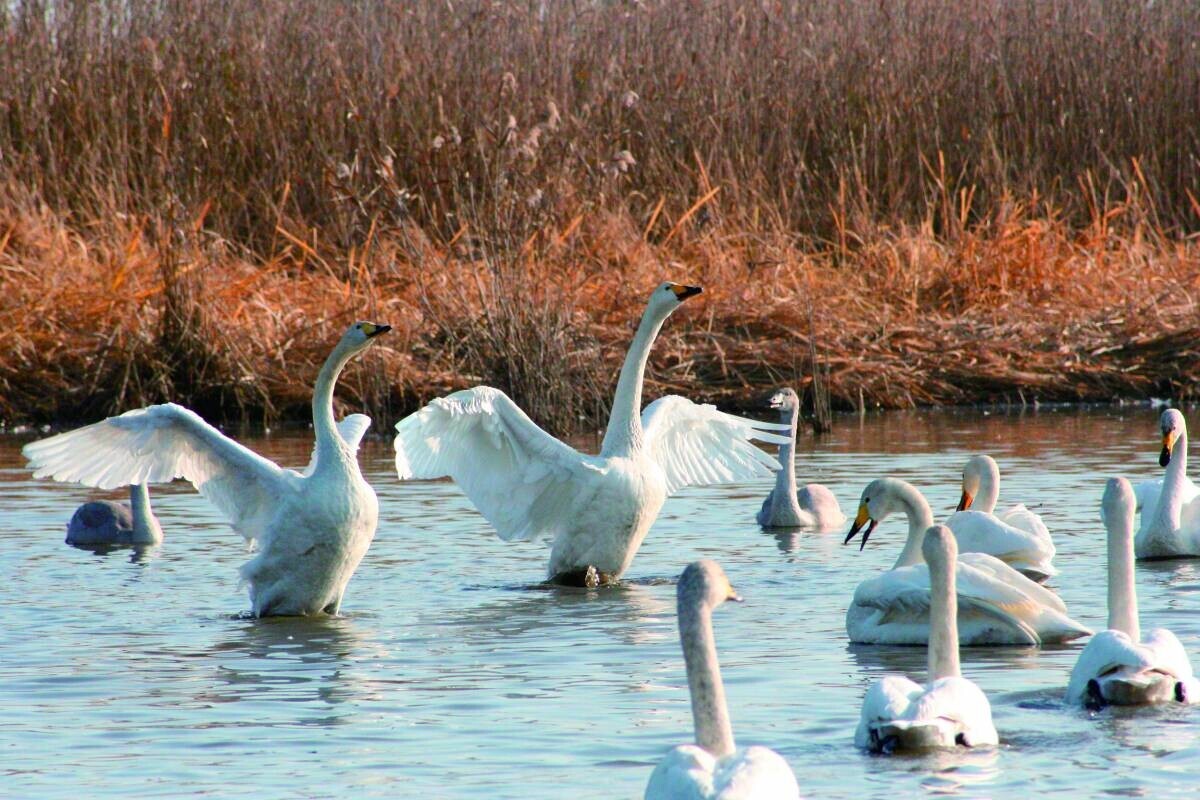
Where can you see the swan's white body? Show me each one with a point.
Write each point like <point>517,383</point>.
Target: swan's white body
<point>596,510</point>
<point>996,604</point>
<point>897,713</point>
<point>1017,536</point>
<point>713,768</point>
<point>814,506</point>
<point>1170,509</point>
<point>101,522</point>
<point>1118,666</point>
<point>310,529</point>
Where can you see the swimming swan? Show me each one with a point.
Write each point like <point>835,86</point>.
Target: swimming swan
<point>1117,667</point>
<point>596,509</point>
<point>108,522</point>
<point>713,769</point>
<point>1170,510</point>
<point>814,506</point>
<point>996,604</point>
<point>898,714</point>
<point>311,529</point>
<point>1018,537</point>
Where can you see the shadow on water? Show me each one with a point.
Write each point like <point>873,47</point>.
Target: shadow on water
<point>138,553</point>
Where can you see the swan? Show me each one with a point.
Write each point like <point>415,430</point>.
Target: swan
<point>950,710</point>
<point>1171,510</point>
<point>310,528</point>
<point>996,604</point>
<point>713,769</point>
<point>1018,537</point>
<point>814,506</point>
<point>595,509</point>
<point>107,522</point>
<point>1117,667</point>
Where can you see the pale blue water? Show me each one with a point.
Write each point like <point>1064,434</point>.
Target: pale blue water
<point>448,677</point>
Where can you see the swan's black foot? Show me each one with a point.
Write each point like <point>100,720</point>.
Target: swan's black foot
<point>1095,698</point>
<point>1180,692</point>
<point>584,578</point>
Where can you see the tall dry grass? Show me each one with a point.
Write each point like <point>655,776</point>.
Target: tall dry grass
<point>977,200</point>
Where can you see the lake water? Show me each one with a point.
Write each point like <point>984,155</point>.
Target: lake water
<point>126,675</point>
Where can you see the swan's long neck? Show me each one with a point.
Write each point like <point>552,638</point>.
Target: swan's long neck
<point>139,504</point>
<point>989,489</point>
<point>710,714</point>
<point>330,447</point>
<point>785,479</point>
<point>943,621</point>
<point>920,517</point>
<point>1122,596</point>
<point>624,434</point>
<point>1170,501</point>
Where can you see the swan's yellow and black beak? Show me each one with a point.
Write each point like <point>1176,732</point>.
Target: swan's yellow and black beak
<point>684,292</point>
<point>1169,438</point>
<point>371,330</point>
<point>965,501</point>
<point>862,519</point>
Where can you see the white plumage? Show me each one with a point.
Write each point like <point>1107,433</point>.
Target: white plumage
<point>1170,508</point>
<point>813,506</point>
<point>1017,536</point>
<point>310,529</point>
<point>1118,666</point>
<point>596,510</point>
<point>996,604</point>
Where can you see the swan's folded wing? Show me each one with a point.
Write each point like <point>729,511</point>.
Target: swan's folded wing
<point>1146,494</point>
<point>161,443</point>
<point>1106,652</point>
<point>523,480</point>
<point>1168,654</point>
<point>685,773</point>
<point>1025,544</point>
<point>352,429</point>
<point>1006,579</point>
<point>697,445</point>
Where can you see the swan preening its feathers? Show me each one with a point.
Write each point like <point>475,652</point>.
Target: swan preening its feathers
<point>596,510</point>
<point>813,506</point>
<point>1117,666</point>
<point>310,529</point>
<point>996,604</point>
<point>1170,508</point>
<point>713,768</point>
<point>898,714</point>
<point>1018,537</point>
<point>104,522</point>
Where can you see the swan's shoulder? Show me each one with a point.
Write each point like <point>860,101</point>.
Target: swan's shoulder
<point>887,699</point>
<point>960,699</point>
<point>685,773</point>
<point>754,773</point>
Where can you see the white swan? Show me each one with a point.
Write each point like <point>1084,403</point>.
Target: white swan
<point>1170,510</point>
<point>1117,666</point>
<point>596,509</point>
<point>713,768</point>
<point>311,529</point>
<point>814,506</point>
<point>1018,537</point>
<point>898,714</point>
<point>996,604</point>
<point>99,522</point>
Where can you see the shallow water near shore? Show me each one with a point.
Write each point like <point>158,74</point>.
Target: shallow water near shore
<point>451,674</point>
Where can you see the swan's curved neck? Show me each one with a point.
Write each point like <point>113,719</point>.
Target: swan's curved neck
<point>624,434</point>
<point>989,490</point>
<point>139,504</point>
<point>943,621</point>
<point>1170,500</point>
<point>710,715</point>
<point>330,447</point>
<point>1122,595</point>
<point>920,517</point>
<point>785,478</point>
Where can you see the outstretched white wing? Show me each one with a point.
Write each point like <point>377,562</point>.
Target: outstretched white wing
<point>352,428</point>
<point>161,443</point>
<point>523,480</point>
<point>697,445</point>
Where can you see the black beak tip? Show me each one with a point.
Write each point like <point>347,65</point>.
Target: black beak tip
<point>1164,457</point>
<point>690,291</point>
<point>379,329</point>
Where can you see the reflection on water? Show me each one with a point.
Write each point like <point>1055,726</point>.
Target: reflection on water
<point>454,673</point>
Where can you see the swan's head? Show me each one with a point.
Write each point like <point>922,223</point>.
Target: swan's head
<point>939,546</point>
<point>1118,505</point>
<point>704,583</point>
<point>877,501</point>
<point>360,334</point>
<point>785,399</point>
<point>668,296</point>
<point>1173,427</point>
<point>977,469</point>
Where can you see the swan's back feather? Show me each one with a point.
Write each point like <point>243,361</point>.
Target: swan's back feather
<point>943,710</point>
<point>161,443</point>
<point>521,478</point>
<point>689,772</point>
<point>1024,546</point>
<point>697,445</point>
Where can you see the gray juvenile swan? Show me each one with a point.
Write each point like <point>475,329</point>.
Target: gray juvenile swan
<point>813,506</point>
<point>311,529</point>
<point>108,522</point>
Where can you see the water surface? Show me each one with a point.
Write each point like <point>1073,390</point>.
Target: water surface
<point>131,674</point>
